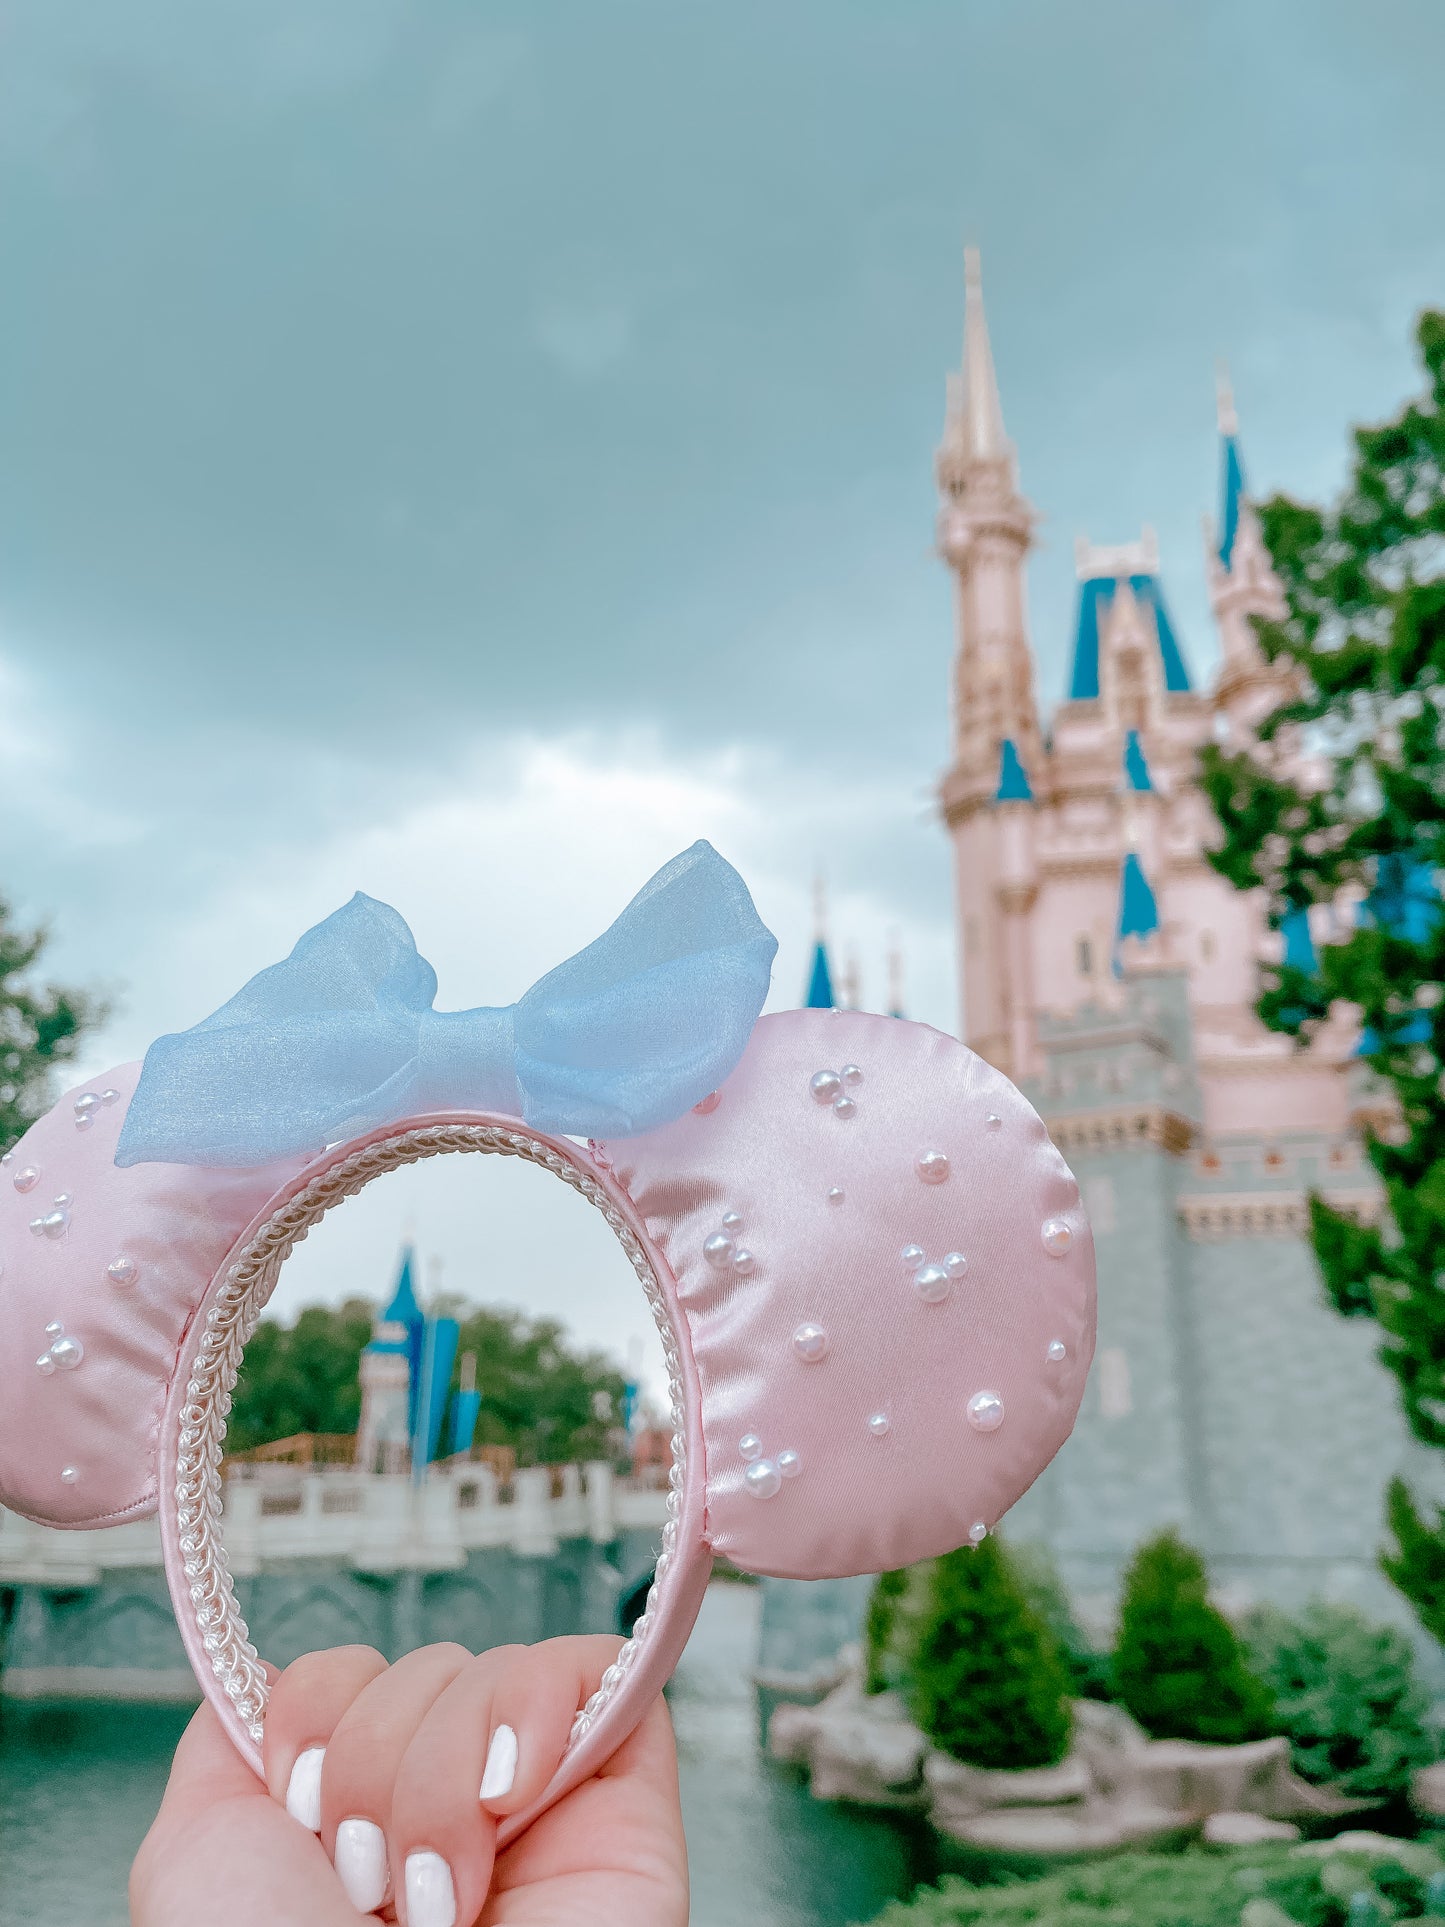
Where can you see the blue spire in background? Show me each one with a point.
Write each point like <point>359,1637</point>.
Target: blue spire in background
<point>1013,778</point>
<point>1232,496</point>
<point>820,980</point>
<point>1299,945</point>
<point>1136,764</point>
<point>1138,911</point>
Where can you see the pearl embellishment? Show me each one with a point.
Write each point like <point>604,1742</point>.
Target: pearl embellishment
<point>844,1107</point>
<point>932,1166</point>
<point>789,1464</point>
<point>64,1354</point>
<point>743,1262</point>
<point>955,1264</point>
<point>1057,1351</point>
<point>835,1196</point>
<point>718,1249</point>
<point>731,1220</point>
<point>912,1256</point>
<point>931,1282</point>
<point>27,1179</point>
<point>878,1425</point>
<point>810,1342</point>
<point>992,1122</point>
<point>87,1103</point>
<point>825,1086</point>
<point>1057,1237</point>
<point>762,1479</point>
<point>54,1224</point>
<point>852,1075</point>
<point>985,1411</point>
<point>122,1271</point>
<point>751,1446</point>
<point>978,1532</point>
<point>68,1475</point>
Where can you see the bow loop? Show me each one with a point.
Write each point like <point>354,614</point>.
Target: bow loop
<point>341,1036</point>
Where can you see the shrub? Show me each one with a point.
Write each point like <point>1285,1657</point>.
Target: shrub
<point>1195,1889</point>
<point>1346,1694</point>
<point>988,1685</point>
<point>1179,1666</point>
<point>1090,1672</point>
<point>881,1668</point>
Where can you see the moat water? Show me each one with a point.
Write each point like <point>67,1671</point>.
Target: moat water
<point>80,1785</point>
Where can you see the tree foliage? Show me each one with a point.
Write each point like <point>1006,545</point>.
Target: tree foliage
<point>882,1666</point>
<point>1179,1667</point>
<point>550,1403</point>
<point>1360,815</point>
<point>987,1681</point>
<point>41,1027</point>
<point>1346,1695</point>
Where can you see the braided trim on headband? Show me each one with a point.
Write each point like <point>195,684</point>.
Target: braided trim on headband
<point>233,1318</point>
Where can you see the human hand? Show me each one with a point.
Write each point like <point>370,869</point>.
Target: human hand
<point>384,1763</point>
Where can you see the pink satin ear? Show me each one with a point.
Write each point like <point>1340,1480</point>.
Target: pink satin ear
<point>863,1409</point>
<point>103,1293</point>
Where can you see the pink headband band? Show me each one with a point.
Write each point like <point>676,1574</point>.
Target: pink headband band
<point>869,1266</point>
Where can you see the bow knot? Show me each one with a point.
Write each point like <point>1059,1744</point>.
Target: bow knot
<point>342,1037</point>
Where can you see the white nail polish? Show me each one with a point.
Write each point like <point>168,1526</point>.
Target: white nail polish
<point>501,1767</point>
<point>303,1789</point>
<point>361,1863</point>
<point>431,1900</point>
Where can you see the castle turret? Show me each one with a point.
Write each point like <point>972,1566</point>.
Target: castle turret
<point>389,1368</point>
<point>1242,586</point>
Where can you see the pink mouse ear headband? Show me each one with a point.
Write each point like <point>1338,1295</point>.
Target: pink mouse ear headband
<point>870,1268</point>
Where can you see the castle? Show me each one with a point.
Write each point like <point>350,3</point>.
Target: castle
<point>1112,973</point>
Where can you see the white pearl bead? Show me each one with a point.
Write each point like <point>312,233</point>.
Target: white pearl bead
<point>1057,1237</point>
<point>992,1122</point>
<point>955,1264</point>
<point>913,1256</point>
<point>731,1220</point>
<point>985,1411</point>
<point>1058,1351</point>
<point>64,1198</point>
<point>27,1179</point>
<point>810,1342</point>
<point>844,1107</point>
<point>751,1446</point>
<point>743,1261</point>
<point>878,1424</point>
<point>110,1097</point>
<point>54,1328</point>
<point>84,1123</point>
<point>852,1075</point>
<point>67,1353</point>
<point>718,1249</point>
<point>835,1196</point>
<point>54,1224</point>
<point>762,1478</point>
<point>932,1166</point>
<point>68,1475</point>
<point>45,1364</point>
<point>789,1464</point>
<point>825,1086</point>
<point>978,1532</point>
<point>931,1282</point>
<point>89,1101</point>
<point>122,1271</point>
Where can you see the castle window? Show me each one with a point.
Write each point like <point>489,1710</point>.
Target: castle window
<point>1115,1397</point>
<point>1084,950</point>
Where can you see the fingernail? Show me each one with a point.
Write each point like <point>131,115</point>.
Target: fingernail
<point>501,1767</point>
<point>303,1789</point>
<point>361,1863</point>
<point>431,1900</point>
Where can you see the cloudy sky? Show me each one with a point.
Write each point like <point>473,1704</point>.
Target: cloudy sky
<point>467,451</point>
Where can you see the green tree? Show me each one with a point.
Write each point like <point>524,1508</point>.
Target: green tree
<point>40,1028</point>
<point>1346,1694</point>
<point>1364,637</point>
<point>1179,1667</point>
<point>881,1660</point>
<point>303,1377</point>
<point>988,1685</point>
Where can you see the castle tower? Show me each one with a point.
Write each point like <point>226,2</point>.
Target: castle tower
<point>388,1379</point>
<point>1242,585</point>
<point>984,534</point>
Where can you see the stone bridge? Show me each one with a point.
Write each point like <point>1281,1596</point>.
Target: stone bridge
<point>331,1556</point>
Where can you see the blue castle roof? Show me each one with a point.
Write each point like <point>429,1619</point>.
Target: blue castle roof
<point>1136,764</point>
<point>1096,597</point>
<point>403,1310</point>
<point>1013,778</point>
<point>1232,494</point>
<point>1138,911</point>
<point>820,981</point>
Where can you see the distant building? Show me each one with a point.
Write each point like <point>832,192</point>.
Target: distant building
<point>389,1366</point>
<point>1112,974</point>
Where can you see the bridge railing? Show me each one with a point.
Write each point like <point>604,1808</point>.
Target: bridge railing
<point>373,1522</point>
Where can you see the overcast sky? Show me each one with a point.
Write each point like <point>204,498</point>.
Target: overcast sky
<point>468,451</point>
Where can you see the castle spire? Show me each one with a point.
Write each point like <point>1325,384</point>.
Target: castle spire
<point>1243,586</point>
<point>984,439</point>
<point>1224,402</point>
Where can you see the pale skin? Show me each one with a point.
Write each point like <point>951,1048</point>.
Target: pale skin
<point>405,1749</point>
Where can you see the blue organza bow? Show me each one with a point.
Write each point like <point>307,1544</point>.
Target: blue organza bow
<point>626,1035</point>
